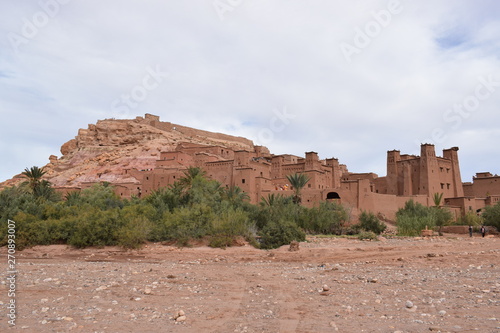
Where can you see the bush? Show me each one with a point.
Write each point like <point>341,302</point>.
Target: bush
<point>415,217</point>
<point>470,218</point>
<point>187,223</point>
<point>96,228</point>
<point>412,225</point>
<point>279,233</point>
<point>364,235</point>
<point>442,216</point>
<point>221,241</point>
<point>99,195</point>
<point>29,231</point>
<point>328,218</point>
<point>134,233</point>
<point>491,215</point>
<point>228,225</point>
<point>370,222</point>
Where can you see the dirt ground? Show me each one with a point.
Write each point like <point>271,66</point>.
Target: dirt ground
<point>439,284</point>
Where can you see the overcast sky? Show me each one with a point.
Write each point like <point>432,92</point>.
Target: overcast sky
<point>347,79</point>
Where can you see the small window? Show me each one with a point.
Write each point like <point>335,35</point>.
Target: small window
<point>243,181</point>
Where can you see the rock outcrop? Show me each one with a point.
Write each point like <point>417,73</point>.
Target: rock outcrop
<point>104,150</point>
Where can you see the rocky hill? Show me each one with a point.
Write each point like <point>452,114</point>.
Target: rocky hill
<point>104,150</point>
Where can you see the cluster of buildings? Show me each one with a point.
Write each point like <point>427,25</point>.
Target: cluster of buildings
<point>259,173</point>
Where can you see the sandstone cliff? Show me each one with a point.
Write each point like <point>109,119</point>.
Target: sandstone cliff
<point>104,150</point>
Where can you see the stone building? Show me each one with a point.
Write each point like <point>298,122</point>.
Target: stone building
<point>484,190</point>
<point>426,174</point>
<point>259,173</point>
<point>142,155</point>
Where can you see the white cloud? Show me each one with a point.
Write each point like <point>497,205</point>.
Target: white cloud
<point>229,76</point>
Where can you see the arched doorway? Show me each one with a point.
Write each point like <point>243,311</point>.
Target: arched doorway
<point>332,196</point>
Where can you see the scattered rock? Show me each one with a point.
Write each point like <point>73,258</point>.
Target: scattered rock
<point>294,246</point>
<point>180,316</point>
<point>334,326</point>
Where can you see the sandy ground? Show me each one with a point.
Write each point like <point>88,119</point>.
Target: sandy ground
<point>440,284</point>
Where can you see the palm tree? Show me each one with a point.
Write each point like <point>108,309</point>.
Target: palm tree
<point>189,175</point>
<point>274,200</point>
<point>73,198</point>
<point>34,177</point>
<point>298,181</point>
<point>443,216</point>
<point>235,194</point>
<point>437,199</point>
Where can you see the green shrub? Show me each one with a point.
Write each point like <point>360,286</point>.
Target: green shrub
<point>279,233</point>
<point>280,208</point>
<point>101,196</point>
<point>414,218</point>
<point>364,235</point>
<point>328,218</point>
<point>134,233</point>
<point>470,218</point>
<point>96,228</point>
<point>352,230</point>
<point>412,225</point>
<point>29,231</point>
<point>187,223</point>
<point>228,225</point>
<point>221,241</point>
<point>369,222</point>
<point>491,215</point>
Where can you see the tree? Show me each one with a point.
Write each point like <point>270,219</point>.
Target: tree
<point>190,175</point>
<point>298,181</point>
<point>369,222</point>
<point>413,218</point>
<point>442,216</point>
<point>34,177</point>
<point>437,199</point>
<point>491,215</point>
<point>274,200</point>
<point>235,195</point>
<point>38,187</point>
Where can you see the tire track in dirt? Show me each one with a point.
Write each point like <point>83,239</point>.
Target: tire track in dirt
<point>227,319</point>
<point>289,313</point>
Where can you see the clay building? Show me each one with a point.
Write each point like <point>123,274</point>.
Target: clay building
<point>142,155</point>
<point>484,190</point>
<point>258,173</point>
<point>422,175</point>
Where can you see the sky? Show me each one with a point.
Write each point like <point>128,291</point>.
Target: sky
<point>347,79</point>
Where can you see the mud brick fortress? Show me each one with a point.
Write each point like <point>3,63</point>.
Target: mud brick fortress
<point>259,174</point>
<point>235,161</point>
